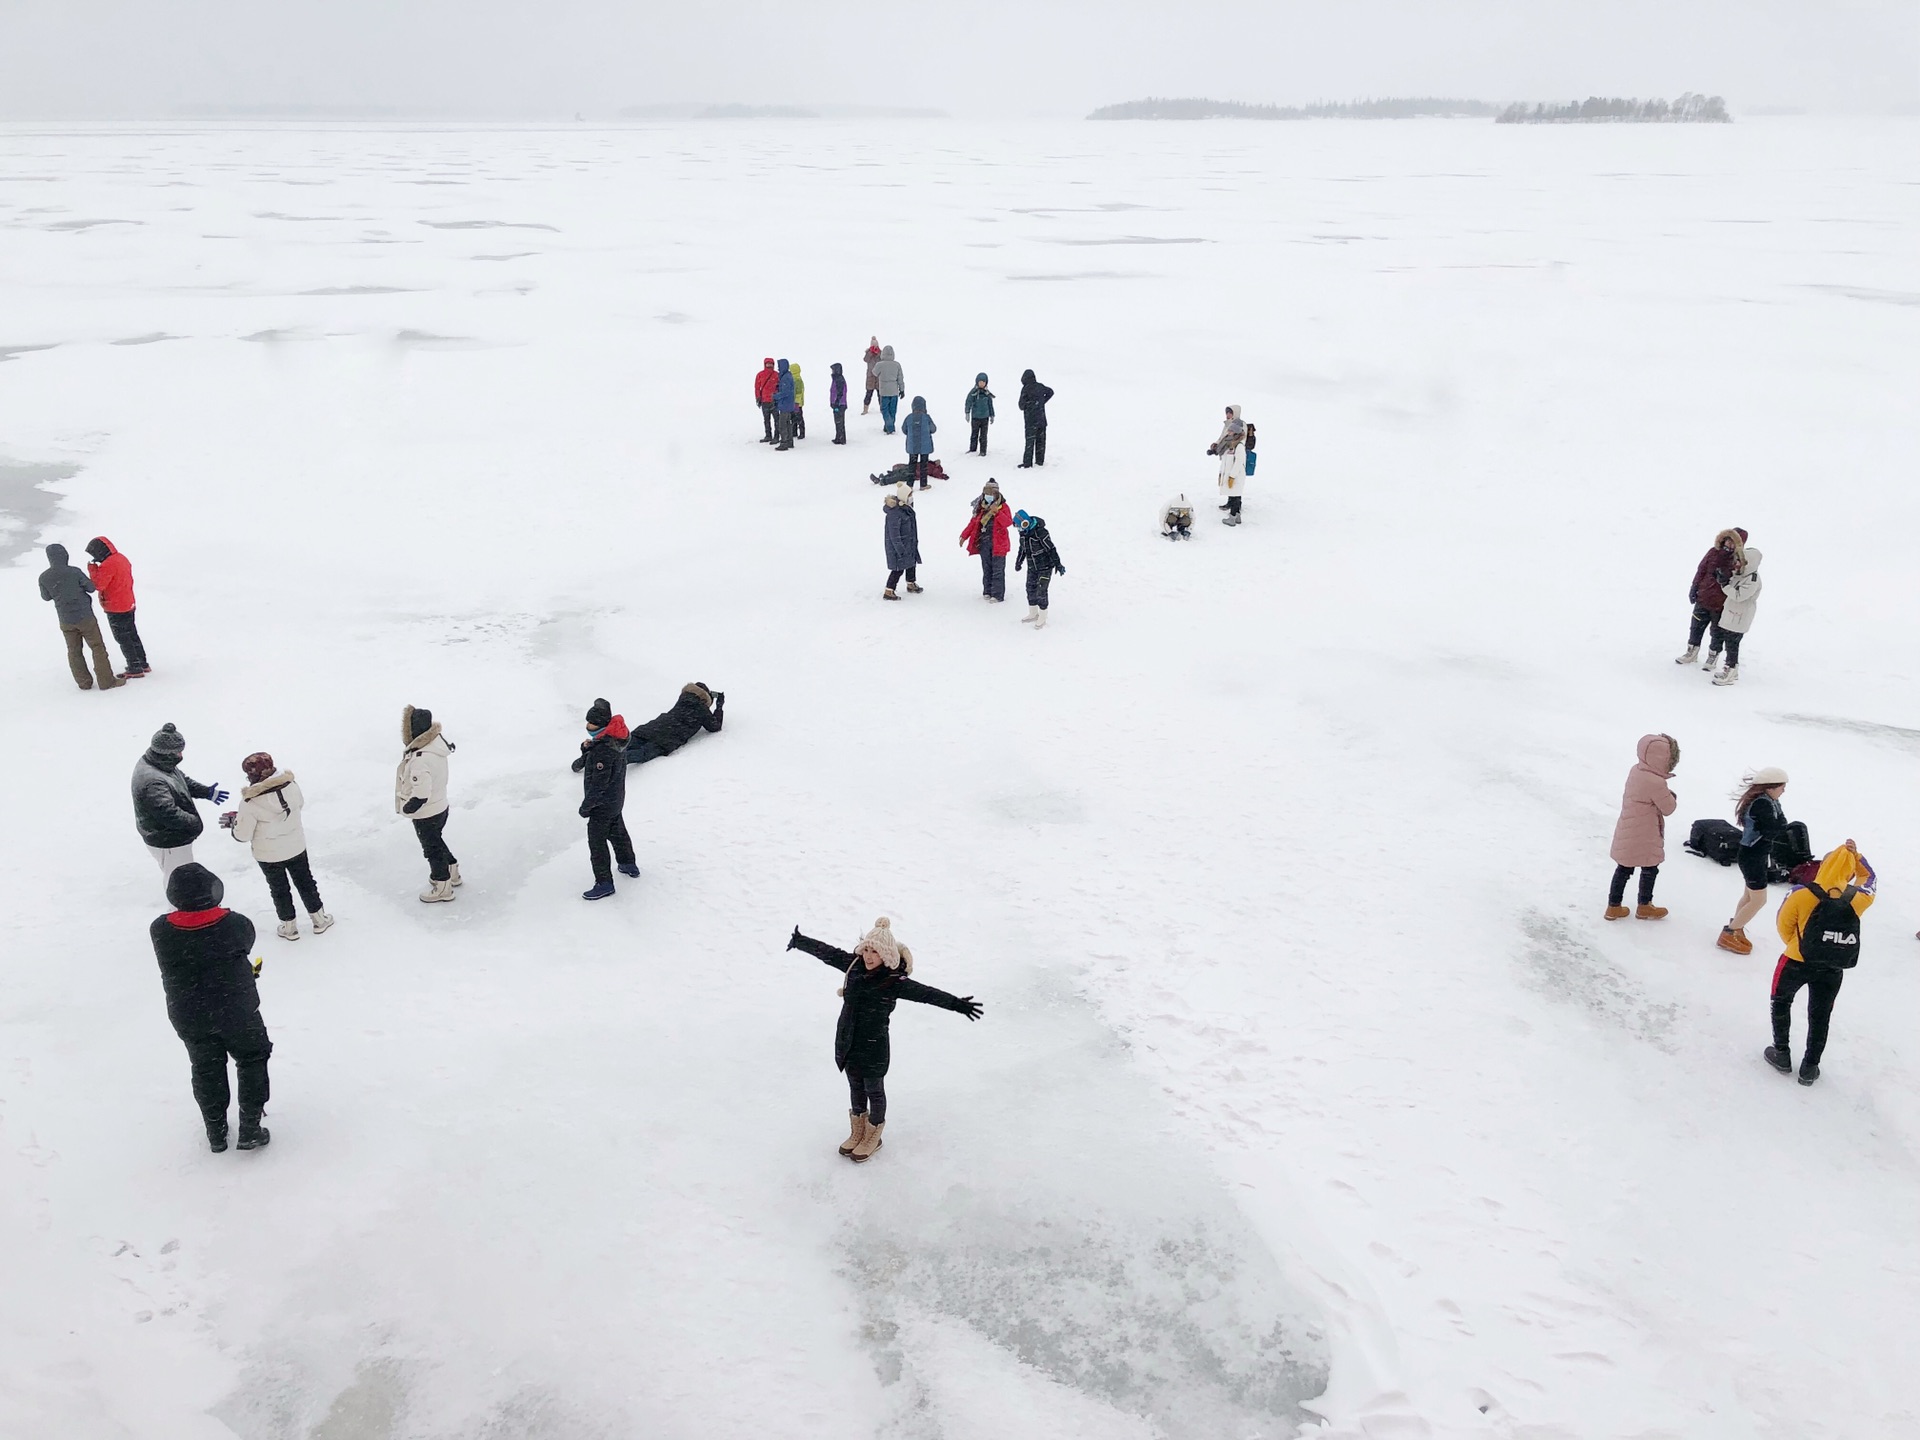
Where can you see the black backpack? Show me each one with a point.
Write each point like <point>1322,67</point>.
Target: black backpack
<point>1831,936</point>
<point>1717,840</point>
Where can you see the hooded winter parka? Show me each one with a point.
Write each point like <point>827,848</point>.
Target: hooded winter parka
<point>112,575</point>
<point>671,729</point>
<point>602,764</point>
<point>205,957</point>
<point>1716,568</point>
<point>1742,596</point>
<point>799,387</point>
<point>66,587</point>
<point>1036,545</point>
<point>979,400</point>
<point>269,818</point>
<point>1839,869</point>
<point>1639,839</point>
<point>423,771</point>
<point>903,534</point>
<point>861,1038</point>
<point>1033,399</point>
<point>766,382</point>
<point>888,377</point>
<point>163,796</point>
<point>783,391</point>
<point>837,389</point>
<point>995,515</point>
<point>918,428</point>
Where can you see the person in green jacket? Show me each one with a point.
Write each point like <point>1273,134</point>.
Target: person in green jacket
<point>979,408</point>
<point>799,404</point>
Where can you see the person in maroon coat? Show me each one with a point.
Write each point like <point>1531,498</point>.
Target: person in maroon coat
<point>985,534</point>
<point>1706,594</point>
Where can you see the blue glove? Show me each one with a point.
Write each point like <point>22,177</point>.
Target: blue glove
<point>219,796</point>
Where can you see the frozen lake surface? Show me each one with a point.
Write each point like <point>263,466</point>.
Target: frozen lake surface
<point>1312,1090</point>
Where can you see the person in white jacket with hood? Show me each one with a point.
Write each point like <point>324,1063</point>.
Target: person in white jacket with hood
<point>1231,447</point>
<point>269,819</point>
<point>420,793</point>
<point>1736,618</point>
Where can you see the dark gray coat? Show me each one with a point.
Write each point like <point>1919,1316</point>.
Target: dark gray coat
<point>903,537</point>
<point>163,809</point>
<point>67,586</point>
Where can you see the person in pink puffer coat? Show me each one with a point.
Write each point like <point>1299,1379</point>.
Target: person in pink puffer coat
<point>1640,838</point>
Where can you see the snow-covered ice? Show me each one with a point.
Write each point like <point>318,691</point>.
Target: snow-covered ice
<point>1311,1087</point>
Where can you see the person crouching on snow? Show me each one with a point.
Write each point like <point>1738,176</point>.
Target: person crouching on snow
<point>1037,546</point>
<point>876,977</point>
<point>269,819</point>
<point>420,793</point>
<point>1176,519</point>
<point>602,767</point>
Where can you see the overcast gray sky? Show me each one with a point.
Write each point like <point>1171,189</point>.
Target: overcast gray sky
<point>1021,57</point>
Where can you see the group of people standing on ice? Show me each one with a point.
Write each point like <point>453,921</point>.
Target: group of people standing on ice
<point>1819,920</point>
<point>988,534</point>
<point>109,575</point>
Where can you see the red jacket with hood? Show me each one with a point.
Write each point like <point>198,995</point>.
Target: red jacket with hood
<point>113,578</point>
<point>766,382</point>
<point>1713,571</point>
<point>999,523</point>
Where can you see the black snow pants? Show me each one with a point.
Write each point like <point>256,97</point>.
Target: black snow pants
<point>1039,577</point>
<point>1616,892</point>
<point>245,1039</point>
<point>783,429</point>
<point>121,623</point>
<point>977,437</point>
<point>839,424</point>
<point>799,422</point>
<point>917,470</point>
<point>1697,625</point>
<point>1728,640</point>
<point>893,576</point>
<point>1036,453</point>
<point>434,846</point>
<point>604,826</point>
<point>296,870</point>
<point>1823,988</point>
<point>867,1095</point>
<point>993,572</point>
<point>766,419</point>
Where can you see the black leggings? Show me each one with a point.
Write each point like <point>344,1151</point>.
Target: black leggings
<point>917,469</point>
<point>1697,625</point>
<point>434,847</point>
<point>279,872</point>
<point>1233,504</point>
<point>1823,988</point>
<point>246,1041</point>
<point>893,576</point>
<point>867,1095</point>
<point>1618,889</point>
<point>1729,640</point>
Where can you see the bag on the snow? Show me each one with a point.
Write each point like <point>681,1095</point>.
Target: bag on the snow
<point>1831,936</point>
<point>1715,840</point>
<point>1792,846</point>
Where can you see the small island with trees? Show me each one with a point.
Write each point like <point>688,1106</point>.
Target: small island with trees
<point>1426,108</point>
<point>1689,109</point>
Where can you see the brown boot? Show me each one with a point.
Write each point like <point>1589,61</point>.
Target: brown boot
<point>859,1118</point>
<point>1616,912</point>
<point>863,1152</point>
<point>1734,940</point>
<point>1650,912</point>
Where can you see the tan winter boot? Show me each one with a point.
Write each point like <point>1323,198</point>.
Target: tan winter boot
<point>1734,940</point>
<point>859,1119</point>
<point>453,874</point>
<point>863,1152</point>
<point>437,890</point>
<point>1616,912</point>
<point>1650,912</point>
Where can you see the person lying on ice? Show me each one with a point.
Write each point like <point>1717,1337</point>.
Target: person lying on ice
<point>876,974</point>
<point>697,709</point>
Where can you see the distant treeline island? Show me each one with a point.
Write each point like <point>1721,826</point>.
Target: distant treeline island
<point>1688,109</point>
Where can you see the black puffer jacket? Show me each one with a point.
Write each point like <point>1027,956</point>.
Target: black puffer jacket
<point>1037,546</point>
<point>163,799</point>
<point>603,769</point>
<point>1033,399</point>
<point>205,957</point>
<point>671,729</point>
<point>860,1039</point>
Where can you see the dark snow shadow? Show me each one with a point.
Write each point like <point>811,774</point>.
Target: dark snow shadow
<point>1871,729</point>
<point>26,507</point>
<point>152,339</point>
<point>8,352</point>
<point>1563,967</point>
<point>488,225</point>
<point>1133,240</point>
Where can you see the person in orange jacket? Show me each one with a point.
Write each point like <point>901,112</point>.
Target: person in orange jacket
<point>112,576</point>
<point>765,386</point>
<point>1823,942</point>
<point>985,535</point>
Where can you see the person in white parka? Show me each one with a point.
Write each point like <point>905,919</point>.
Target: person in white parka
<point>269,819</point>
<point>1736,618</point>
<point>1231,448</point>
<point>420,793</point>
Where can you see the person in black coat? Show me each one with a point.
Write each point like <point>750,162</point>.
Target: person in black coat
<point>602,766</point>
<point>163,796</point>
<point>876,971</point>
<point>1042,560</point>
<point>697,709</point>
<point>213,1002</point>
<point>1033,406</point>
<point>902,541</point>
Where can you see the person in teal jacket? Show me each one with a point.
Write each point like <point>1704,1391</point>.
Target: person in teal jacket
<point>979,408</point>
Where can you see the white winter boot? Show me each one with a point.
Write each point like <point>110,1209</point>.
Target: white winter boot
<point>287,930</point>
<point>1040,621</point>
<point>1688,656</point>
<point>1032,615</point>
<point>1727,676</point>
<point>1712,660</point>
<point>437,890</point>
<point>453,874</point>
<point>322,922</point>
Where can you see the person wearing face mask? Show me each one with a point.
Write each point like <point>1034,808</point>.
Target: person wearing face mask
<point>163,796</point>
<point>602,766</point>
<point>876,971</point>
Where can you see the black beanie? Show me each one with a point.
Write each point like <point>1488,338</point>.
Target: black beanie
<point>599,714</point>
<point>194,887</point>
<point>420,720</point>
<point>168,741</point>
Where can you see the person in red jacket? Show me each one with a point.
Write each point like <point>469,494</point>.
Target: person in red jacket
<point>985,534</point>
<point>1715,569</point>
<point>764,386</point>
<point>112,576</point>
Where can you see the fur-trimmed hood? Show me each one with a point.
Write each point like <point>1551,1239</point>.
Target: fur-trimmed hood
<point>425,738</point>
<point>273,782</point>
<point>694,687</point>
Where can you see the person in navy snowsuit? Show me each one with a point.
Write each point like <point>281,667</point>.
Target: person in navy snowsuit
<point>918,428</point>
